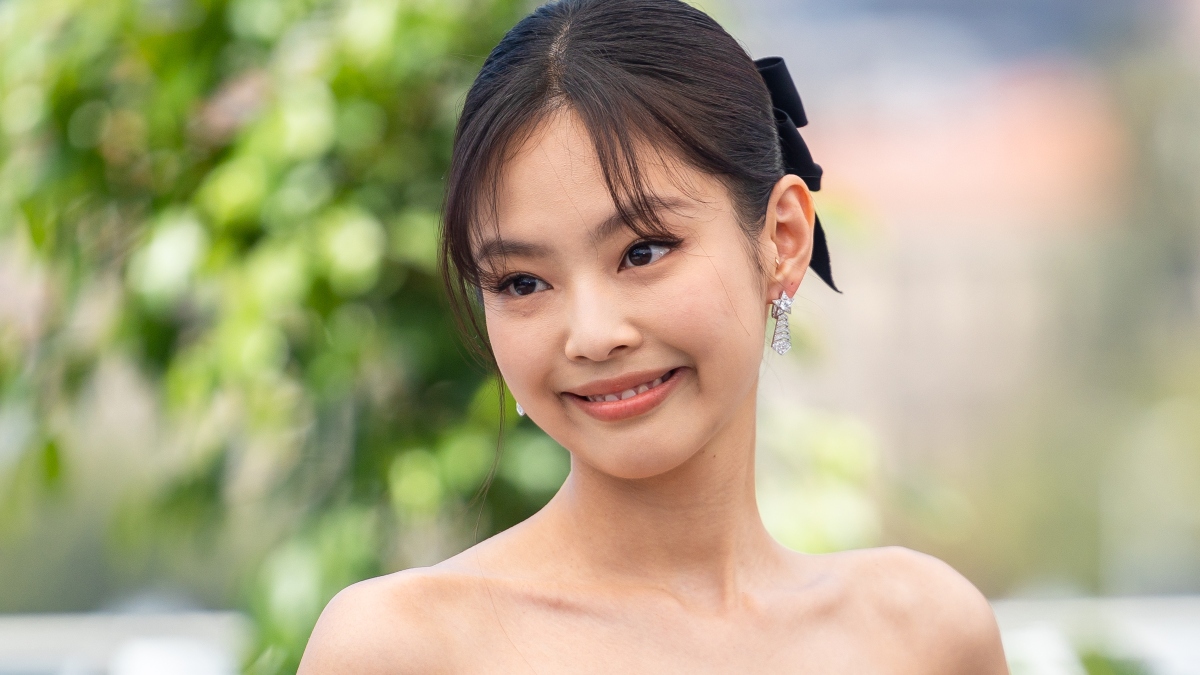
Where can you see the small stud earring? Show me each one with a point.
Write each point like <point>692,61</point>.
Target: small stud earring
<point>781,339</point>
<point>520,410</point>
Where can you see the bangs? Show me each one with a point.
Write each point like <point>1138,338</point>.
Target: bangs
<point>622,151</point>
<point>650,80</point>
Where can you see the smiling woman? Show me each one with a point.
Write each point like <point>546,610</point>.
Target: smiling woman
<point>623,209</point>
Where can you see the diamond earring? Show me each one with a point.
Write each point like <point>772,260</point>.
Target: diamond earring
<point>781,339</point>
<point>520,410</point>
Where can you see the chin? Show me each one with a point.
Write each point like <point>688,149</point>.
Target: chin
<point>636,461</point>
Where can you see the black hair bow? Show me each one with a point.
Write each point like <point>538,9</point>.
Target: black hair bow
<point>789,116</point>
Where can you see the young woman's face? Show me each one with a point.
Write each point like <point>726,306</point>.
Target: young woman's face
<point>631,353</point>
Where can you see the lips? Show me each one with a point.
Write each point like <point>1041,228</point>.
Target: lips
<point>628,396</point>
<point>631,392</point>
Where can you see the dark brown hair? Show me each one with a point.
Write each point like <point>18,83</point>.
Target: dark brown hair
<point>639,74</point>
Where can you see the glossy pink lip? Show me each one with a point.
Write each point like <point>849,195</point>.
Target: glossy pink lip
<point>612,411</point>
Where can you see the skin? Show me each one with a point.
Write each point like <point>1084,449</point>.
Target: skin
<point>652,558</point>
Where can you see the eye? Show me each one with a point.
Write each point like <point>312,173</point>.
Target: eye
<point>644,253</point>
<point>523,284</point>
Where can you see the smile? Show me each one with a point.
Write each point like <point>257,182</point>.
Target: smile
<point>628,396</point>
<point>631,392</point>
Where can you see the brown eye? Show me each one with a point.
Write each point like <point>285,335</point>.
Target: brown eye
<point>640,255</point>
<point>524,284</point>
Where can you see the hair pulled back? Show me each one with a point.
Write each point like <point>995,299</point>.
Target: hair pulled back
<point>637,73</point>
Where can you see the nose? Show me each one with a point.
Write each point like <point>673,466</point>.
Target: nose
<point>599,328</point>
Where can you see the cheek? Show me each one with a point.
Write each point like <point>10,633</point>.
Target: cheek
<point>714,316</point>
<point>521,344</point>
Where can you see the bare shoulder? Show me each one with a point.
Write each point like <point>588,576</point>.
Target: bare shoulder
<point>935,613</point>
<point>401,623</point>
<point>426,620</point>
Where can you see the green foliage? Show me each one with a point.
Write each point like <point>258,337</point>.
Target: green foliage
<point>1099,664</point>
<point>240,197</point>
<point>815,476</point>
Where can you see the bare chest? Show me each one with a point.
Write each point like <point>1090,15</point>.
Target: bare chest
<point>530,638</point>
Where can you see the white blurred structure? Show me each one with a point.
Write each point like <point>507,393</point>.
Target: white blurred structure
<point>1042,637</point>
<point>192,643</point>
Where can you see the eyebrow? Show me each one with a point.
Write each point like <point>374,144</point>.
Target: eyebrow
<point>615,223</point>
<point>502,248</point>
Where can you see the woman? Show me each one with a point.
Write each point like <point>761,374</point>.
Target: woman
<point>628,201</point>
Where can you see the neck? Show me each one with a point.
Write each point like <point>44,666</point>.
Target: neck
<point>695,529</point>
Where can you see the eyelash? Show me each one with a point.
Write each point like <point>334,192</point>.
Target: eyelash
<point>505,284</point>
<point>668,244</point>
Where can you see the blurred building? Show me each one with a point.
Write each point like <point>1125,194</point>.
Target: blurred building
<point>983,162</point>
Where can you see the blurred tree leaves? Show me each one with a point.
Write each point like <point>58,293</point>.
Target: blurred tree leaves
<point>240,198</point>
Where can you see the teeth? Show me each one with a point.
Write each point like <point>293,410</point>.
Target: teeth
<point>628,393</point>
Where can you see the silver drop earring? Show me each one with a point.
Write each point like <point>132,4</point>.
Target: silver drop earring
<point>781,340</point>
<point>520,410</point>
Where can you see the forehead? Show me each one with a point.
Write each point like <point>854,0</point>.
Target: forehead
<point>554,174</point>
<point>554,183</point>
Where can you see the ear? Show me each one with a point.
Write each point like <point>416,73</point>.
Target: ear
<point>787,234</point>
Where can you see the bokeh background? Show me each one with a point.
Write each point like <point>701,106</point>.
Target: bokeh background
<point>229,381</point>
